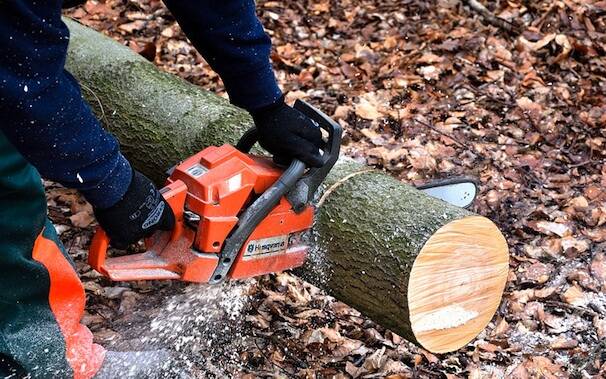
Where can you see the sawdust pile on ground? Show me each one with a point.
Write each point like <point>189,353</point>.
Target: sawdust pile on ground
<point>424,89</point>
<point>205,326</point>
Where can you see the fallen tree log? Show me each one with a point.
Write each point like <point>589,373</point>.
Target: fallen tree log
<point>431,272</point>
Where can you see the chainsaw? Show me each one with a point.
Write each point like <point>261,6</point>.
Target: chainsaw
<point>239,215</point>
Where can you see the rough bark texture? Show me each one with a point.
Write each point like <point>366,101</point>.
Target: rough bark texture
<point>158,118</point>
<point>370,227</point>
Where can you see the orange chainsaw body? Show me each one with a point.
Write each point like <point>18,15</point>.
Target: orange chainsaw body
<point>207,193</point>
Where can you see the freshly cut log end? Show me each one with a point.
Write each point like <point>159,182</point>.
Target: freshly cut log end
<point>429,271</point>
<point>456,283</point>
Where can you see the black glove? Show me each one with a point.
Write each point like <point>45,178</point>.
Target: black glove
<point>141,211</point>
<point>287,133</point>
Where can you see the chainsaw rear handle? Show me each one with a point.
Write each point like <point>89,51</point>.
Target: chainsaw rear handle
<point>248,140</point>
<point>304,189</point>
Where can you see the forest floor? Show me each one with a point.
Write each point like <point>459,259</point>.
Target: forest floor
<point>424,89</point>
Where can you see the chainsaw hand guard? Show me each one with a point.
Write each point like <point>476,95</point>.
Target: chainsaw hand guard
<point>303,191</point>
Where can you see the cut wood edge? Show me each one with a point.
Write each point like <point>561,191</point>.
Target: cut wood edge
<point>456,283</point>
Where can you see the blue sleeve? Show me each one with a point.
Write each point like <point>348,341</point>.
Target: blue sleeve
<point>43,113</point>
<point>232,40</point>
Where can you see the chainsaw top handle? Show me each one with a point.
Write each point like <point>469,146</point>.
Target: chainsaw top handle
<point>303,191</point>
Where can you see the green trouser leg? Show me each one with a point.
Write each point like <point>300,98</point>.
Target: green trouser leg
<point>41,298</point>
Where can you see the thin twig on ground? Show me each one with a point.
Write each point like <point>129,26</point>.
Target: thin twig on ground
<point>539,22</point>
<point>491,18</point>
<point>442,133</point>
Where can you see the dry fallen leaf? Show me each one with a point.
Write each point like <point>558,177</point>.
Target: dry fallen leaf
<point>421,160</point>
<point>535,46</point>
<point>574,295</point>
<point>551,228</point>
<point>598,268</point>
<point>538,273</point>
<point>564,42</point>
<point>367,110</point>
<point>396,370</point>
<point>501,328</point>
<point>429,72</point>
<point>376,360</point>
<point>132,26</point>
<point>563,343</point>
<point>82,219</point>
<point>600,326</point>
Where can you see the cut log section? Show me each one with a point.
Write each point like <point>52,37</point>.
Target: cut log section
<point>429,271</point>
<point>456,283</point>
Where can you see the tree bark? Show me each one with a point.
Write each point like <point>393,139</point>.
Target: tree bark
<point>431,272</point>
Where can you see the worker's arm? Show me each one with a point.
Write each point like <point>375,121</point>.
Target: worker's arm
<point>46,119</point>
<point>232,40</point>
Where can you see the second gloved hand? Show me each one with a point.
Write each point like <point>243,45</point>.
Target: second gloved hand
<point>141,211</point>
<point>287,133</point>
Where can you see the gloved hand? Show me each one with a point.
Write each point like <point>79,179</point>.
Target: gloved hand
<point>287,133</point>
<point>141,211</point>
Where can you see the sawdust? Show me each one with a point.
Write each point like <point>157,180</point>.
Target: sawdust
<point>204,326</point>
<point>445,318</point>
<point>316,269</point>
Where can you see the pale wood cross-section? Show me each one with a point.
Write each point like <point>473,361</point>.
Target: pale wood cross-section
<point>456,283</point>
